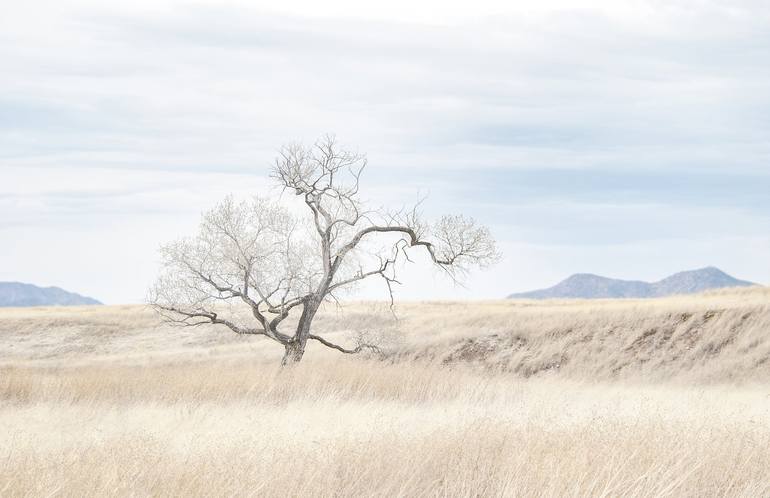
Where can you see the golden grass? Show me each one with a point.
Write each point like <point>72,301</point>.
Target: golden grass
<point>715,337</point>
<point>104,401</point>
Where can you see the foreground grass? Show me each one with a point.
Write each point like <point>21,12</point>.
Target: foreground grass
<point>612,398</point>
<point>359,428</point>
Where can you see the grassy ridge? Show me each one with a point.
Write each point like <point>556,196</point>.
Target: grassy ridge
<point>106,402</point>
<point>710,338</point>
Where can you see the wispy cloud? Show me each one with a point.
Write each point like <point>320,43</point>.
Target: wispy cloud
<point>622,123</point>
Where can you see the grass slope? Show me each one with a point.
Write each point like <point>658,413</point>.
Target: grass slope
<point>104,401</point>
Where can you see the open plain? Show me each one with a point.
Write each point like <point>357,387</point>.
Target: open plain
<point>661,397</point>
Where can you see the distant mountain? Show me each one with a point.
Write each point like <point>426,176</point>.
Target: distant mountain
<point>588,286</point>
<point>18,294</point>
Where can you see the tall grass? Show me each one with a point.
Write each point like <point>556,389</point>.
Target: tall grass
<point>103,402</point>
<point>358,428</point>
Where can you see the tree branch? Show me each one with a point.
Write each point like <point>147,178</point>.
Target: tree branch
<point>361,347</point>
<point>211,317</point>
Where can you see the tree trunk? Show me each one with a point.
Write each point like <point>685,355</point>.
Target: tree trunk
<point>296,347</point>
<point>293,353</point>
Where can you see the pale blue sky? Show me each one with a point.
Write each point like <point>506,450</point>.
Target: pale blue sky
<point>626,138</point>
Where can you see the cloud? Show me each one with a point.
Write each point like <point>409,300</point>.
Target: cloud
<point>617,123</point>
<point>575,88</point>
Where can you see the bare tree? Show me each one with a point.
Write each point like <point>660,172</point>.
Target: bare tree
<point>259,256</point>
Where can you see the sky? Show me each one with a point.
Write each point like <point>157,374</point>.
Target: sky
<point>624,138</point>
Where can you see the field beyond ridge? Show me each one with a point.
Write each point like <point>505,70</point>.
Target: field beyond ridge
<point>664,397</point>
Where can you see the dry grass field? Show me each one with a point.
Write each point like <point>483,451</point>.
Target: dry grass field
<point>664,397</point>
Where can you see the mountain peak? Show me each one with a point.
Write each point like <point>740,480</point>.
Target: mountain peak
<point>21,294</point>
<point>708,270</point>
<point>590,286</point>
